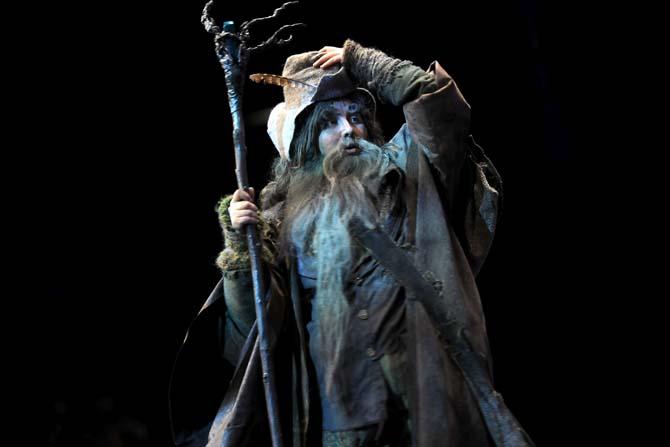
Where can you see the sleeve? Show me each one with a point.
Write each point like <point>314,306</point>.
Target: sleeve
<point>438,125</point>
<point>217,341</point>
<point>237,288</point>
<point>235,266</point>
<point>483,207</point>
<point>437,115</point>
<point>235,255</point>
<point>393,81</point>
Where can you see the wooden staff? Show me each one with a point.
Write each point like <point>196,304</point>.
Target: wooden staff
<point>233,52</point>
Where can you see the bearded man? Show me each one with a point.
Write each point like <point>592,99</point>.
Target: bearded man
<point>360,359</point>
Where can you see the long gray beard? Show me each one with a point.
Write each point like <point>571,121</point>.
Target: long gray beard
<point>321,229</point>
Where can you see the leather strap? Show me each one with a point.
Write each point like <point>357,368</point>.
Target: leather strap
<point>502,425</point>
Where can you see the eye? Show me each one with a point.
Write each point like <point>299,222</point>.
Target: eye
<point>327,122</point>
<point>356,118</point>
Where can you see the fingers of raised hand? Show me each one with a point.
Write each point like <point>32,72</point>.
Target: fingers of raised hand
<point>330,49</point>
<point>328,56</point>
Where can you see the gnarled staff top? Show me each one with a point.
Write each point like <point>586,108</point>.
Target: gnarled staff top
<point>243,37</point>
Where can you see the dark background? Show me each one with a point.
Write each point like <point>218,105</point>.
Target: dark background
<point>133,150</point>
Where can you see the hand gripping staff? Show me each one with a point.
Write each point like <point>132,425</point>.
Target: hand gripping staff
<point>233,52</point>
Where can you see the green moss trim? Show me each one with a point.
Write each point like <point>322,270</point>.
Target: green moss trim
<point>235,255</point>
<point>233,260</point>
<point>222,210</point>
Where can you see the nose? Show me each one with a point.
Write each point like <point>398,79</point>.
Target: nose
<point>347,129</point>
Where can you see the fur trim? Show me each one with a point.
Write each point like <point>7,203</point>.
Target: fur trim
<point>235,255</point>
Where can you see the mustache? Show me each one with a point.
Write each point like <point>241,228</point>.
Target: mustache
<point>359,142</point>
<point>338,163</point>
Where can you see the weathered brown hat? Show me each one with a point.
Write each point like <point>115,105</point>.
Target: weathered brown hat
<point>303,86</point>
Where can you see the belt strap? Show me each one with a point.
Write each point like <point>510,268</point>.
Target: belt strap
<point>501,423</point>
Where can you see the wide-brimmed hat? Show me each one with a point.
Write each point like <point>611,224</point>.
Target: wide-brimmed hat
<point>303,86</point>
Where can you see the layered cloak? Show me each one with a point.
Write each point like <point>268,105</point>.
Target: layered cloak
<point>453,197</point>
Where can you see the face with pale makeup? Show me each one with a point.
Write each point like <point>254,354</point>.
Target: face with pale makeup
<point>341,126</point>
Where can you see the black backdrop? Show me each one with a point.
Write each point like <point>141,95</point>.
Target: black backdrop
<point>133,150</point>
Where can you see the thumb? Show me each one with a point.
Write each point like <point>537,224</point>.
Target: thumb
<point>251,191</point>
